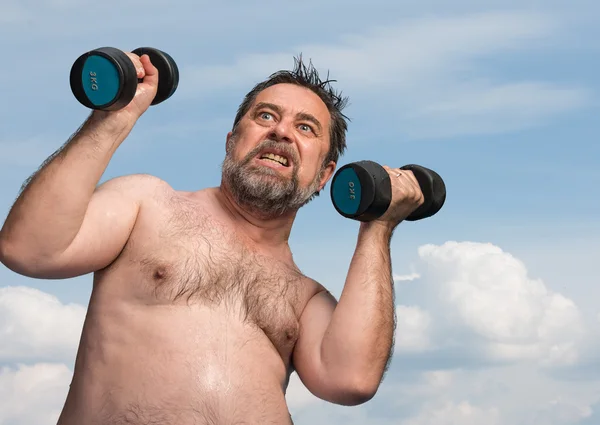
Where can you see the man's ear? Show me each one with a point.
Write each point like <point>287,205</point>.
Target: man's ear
<point>228,141</point>
<point>326,174</point>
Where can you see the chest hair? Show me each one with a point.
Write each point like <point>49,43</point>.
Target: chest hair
<point>191,257</point>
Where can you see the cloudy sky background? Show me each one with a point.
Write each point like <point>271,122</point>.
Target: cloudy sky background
<point>498,311</point>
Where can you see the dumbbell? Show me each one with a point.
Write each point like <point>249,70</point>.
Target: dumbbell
<point>363,191</point>
<point>106,78</point>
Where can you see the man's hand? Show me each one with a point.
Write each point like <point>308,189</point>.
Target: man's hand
<point>406,197</point>
<point>144,95</point>
<point>146,89</point>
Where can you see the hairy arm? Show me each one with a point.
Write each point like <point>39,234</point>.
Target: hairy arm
<point>344,347</point>
<point>63,225</point>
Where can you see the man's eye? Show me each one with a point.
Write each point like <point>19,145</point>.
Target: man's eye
<point>305,127</point>
<point>265,115</point>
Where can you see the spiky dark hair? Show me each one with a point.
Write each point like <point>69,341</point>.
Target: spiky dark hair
<point>306,75</point>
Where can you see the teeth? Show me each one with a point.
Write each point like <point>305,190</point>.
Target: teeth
<point>277,158</point>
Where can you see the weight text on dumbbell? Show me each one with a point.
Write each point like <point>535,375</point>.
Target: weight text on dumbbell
<point>351,190</point>
<point>93,80</point>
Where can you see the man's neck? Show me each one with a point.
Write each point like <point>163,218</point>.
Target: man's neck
<point>272,232</point>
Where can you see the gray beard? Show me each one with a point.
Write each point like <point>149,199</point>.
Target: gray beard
<point>263,190</point>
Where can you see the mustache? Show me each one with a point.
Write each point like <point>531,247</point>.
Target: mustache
<point>273,144</point>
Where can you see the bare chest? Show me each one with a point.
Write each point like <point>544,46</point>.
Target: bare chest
<point>192,258</point>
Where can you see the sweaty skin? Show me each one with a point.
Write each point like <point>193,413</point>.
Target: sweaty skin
<point>198,313</point>
<point>193,323</point>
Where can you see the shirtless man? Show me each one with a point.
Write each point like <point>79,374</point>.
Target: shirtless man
<point>198,314</point>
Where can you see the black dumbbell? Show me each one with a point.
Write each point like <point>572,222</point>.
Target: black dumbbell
<point>363,191</point>
<point>106,78</point>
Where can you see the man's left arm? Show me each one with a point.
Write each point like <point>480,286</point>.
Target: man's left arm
<point>344,347</point>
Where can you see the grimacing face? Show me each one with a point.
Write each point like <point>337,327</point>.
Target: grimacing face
<point>274,160</point>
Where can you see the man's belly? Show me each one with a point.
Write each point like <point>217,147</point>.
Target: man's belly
<point>179,365</point>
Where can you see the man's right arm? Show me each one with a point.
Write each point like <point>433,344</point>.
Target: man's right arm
<point>62,225</point>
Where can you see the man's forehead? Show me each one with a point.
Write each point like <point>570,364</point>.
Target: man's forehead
<point>292,97</point>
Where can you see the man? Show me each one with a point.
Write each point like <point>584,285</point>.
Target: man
<point>198,314</point>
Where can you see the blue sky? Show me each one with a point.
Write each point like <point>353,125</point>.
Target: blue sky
<point>500,98</point>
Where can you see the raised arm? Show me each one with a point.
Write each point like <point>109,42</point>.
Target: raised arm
<point>344,347</point>
<point>62,225</point>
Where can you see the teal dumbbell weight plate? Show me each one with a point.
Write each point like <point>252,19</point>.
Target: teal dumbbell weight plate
<point>361,190</point>
<point>106,78</point>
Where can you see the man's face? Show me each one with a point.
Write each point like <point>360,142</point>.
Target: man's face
<point>274,161</point>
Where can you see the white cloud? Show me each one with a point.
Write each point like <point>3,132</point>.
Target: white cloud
<point>438,380</point>
<point>462,413</point>
<point>33,394</point>
<point>478,108</point>
<point>482,297</point>
<point>297,395</point>
<point>431,70</point>
<point>562,412</point>
<point>406,277</point>
<point>420,50</point>
<point>526,96</point>
<point>36,325</point>
<point>515,395</point>
<point>412,331</point>
<point>426,386</point>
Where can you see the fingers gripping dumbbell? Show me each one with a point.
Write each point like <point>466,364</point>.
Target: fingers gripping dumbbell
<point>106,78</point>
<point>363,191</point>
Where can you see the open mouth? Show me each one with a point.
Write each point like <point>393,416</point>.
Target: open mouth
<point>274,158</point>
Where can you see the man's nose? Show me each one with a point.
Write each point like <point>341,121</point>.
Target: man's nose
<point>283,131</point>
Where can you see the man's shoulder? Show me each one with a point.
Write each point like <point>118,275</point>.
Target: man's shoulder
<point>315,288</point>
<point>140,180</point>
<point>138,185</point>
